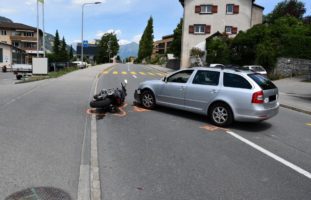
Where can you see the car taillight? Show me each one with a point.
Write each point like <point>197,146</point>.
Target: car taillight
<point>258,97</point>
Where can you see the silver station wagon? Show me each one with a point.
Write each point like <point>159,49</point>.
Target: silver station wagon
<point>225,95</point>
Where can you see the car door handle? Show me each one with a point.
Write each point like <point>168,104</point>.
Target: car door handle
<point>182,87</point>
<point>214,91</point>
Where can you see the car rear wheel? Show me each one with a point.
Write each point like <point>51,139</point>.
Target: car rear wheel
<point>147,99</point>
<point>221,114</point>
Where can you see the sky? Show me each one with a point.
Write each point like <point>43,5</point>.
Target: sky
<point>127,18</point>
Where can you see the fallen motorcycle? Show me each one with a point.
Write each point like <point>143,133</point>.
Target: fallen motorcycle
<point>110,99</point>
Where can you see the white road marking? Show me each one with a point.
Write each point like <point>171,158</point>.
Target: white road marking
<point>134,76</point>
<point>272,155</point>
<point>128,67</point>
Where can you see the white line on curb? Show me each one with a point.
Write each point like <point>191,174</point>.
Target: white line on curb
<point>272,155</point>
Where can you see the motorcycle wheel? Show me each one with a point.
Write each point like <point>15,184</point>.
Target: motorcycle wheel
<point>104,104</point>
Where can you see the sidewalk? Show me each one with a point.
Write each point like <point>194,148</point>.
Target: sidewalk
<point>295,94</point>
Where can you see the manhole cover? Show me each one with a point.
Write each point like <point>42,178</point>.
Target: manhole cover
<point>40,193</point>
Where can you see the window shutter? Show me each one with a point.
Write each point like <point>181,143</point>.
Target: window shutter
<point>236,9</point>
<point>234,30</point>
<point>191,29</point>
<point>197,9</point>
<point>214,9</point>
<point>207,29</point>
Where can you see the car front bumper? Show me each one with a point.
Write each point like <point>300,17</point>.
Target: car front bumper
<point>137,96</point>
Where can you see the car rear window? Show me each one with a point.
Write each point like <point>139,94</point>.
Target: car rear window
<point>262,81</point>
<point>236,81</point>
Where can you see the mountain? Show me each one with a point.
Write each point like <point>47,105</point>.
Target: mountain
<point>4,19</point>
<point>128,50</point>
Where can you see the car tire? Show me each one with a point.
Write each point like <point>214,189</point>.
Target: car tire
<point>148,99</point>
<point>221,114</point>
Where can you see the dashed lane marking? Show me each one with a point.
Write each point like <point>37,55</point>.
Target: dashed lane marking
<point>142,73</point>
<point>115,73</point>
<point>124,73</point>
<point>308,124</point>
<point>133,73</point>
<point>151,74</point>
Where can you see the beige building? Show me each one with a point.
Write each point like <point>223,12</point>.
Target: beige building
<point>161,47</point>
<point>10,54</point>
<point>23,37</point>
<point>202,18</point>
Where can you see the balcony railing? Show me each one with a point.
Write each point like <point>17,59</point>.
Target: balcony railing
<point>23,38</point>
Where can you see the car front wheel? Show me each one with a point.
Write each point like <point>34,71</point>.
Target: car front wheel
<point>221,115</point>
<point>147,99</point>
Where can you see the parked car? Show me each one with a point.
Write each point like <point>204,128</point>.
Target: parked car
<point>257,68</point>
<point>81,65</point>
<point>224,95</point>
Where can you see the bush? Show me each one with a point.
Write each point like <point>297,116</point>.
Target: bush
<point>197,52</point>
<point>217,51</point>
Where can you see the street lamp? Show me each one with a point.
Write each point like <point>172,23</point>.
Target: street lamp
<point>83,5</point>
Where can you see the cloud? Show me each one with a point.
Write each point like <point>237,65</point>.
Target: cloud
<point>7,10</point>
<point>99,34</point>
<point>137,38</point>
<point>124,42</point>
<point>80,2</point>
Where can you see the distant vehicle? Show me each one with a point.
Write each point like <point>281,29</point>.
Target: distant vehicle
<point>81,65</point>
<point>224,95</point>
<point>257,68</point>
<point>21,70</point>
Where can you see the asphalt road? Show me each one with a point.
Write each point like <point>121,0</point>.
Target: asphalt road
<point>170,154</point>
<point>160,154</point>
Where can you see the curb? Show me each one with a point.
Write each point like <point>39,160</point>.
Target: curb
<point>296,109</point>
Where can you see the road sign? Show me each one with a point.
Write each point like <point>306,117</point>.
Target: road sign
<point>85,44</point>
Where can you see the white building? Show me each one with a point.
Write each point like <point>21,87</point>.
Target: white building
<point>202,18</point>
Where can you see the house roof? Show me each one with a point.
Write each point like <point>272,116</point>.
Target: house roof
<point>17,26</point>
<point>183,1</point>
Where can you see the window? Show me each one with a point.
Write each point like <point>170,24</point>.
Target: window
<point>180,77</point>
<point>206,8</point>
<point>16,44</point>
<point>206,78</point>
<point>199,29</point>
<point>262,81</point>
<point>228,29</point>
<point>236,81</point>
<point>3,32</point>
<point>229,9</point>
<point>28,34</point>
<point>1,55</point>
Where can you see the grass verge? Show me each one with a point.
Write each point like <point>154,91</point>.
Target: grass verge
<point>56,74</point>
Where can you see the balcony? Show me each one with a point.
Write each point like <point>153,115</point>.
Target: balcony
<point>23,38</point>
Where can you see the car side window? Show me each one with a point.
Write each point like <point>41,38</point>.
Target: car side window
<point>206,78</point>
<point>180,77</point>
<point>236,81</point>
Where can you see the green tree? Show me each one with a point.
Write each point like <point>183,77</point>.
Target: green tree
<point>63,54</point>
<point>175,47</point>
<point>266,55</point>
<point>294,8</point>
<point>217,50</point>
<point>146,42</point>
<point>108,47</point>
<point>71,53</point>
<point>56,44</point>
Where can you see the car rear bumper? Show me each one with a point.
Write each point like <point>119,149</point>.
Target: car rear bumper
<point>259,115</point>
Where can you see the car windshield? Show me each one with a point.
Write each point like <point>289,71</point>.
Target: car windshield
<point>262,81</point>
